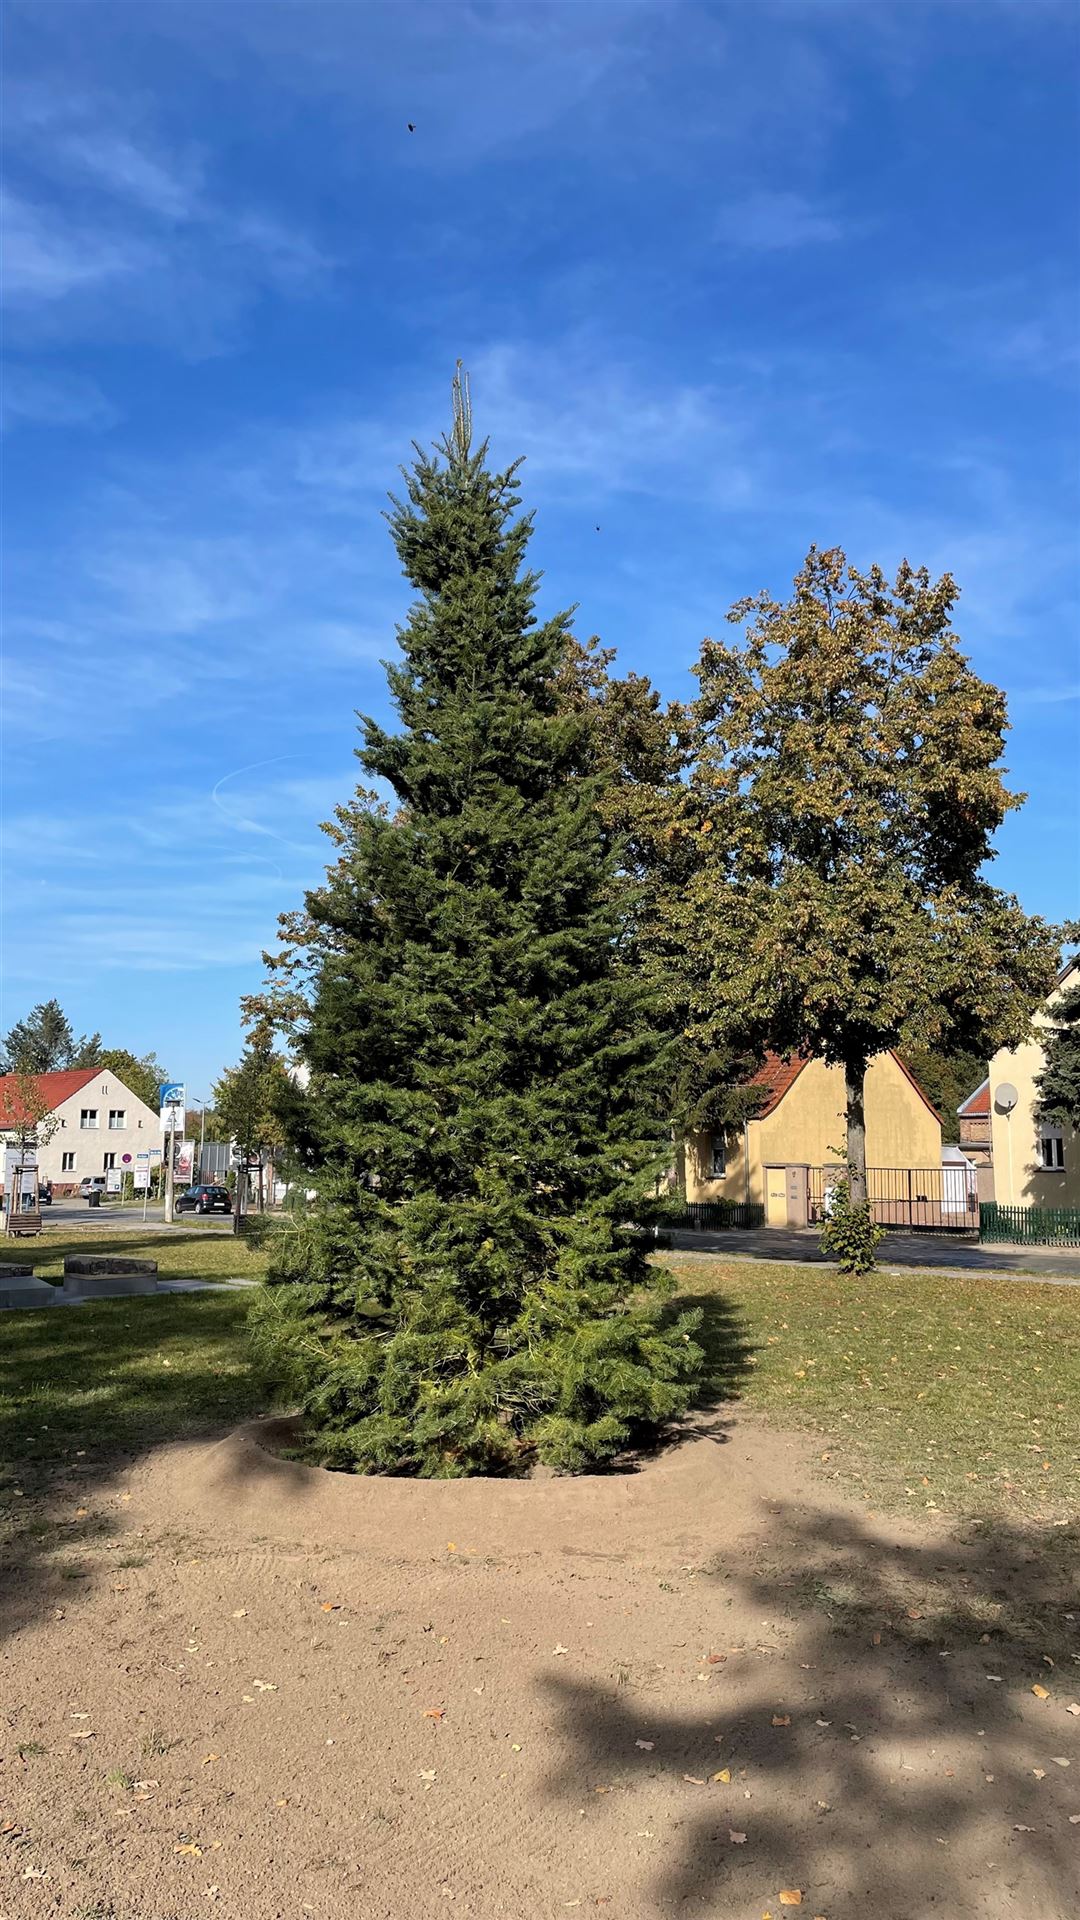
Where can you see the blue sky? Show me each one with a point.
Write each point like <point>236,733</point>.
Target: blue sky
<point>734,278</point>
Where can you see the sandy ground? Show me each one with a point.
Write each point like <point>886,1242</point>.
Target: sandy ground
<point>235,1686</point>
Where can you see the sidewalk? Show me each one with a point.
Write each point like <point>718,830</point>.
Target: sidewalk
<point>799,1245</point>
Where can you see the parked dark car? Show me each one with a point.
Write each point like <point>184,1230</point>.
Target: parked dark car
<point>45,1192</point>
<point>204,1200</point>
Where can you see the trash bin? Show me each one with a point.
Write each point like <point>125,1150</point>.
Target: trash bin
<point>93,1199</point>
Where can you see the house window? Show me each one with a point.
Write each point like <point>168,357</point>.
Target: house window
<point>719,1156</point>
<point>117,1118</point>
<point>88,1117</point>
<point>108,1161</point>
<point>1052,1148</point>
<point>67,1163</point>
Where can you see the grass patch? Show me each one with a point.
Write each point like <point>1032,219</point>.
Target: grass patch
<point>958,1396</point>
<point>181,1254</point>
<point>94,1383</point>
<point>930,1393</point>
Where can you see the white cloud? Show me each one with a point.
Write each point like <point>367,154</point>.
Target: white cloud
<point>47,258</point>
<point>119,237</point>
<point>770,222</point>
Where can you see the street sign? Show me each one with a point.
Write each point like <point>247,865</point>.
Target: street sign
<point>171,1099</point>
<point>114,1180</point>
<point>185,1159</point>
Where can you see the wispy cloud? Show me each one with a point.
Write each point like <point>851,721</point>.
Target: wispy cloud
<point>52,397</point>
<point>770,222</point>
<point>109,234</point>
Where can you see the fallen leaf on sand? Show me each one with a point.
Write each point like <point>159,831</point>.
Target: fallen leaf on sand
<point>790,1897</point>
<point>737,1839</point>
<point>281,1803</point>
<point>84,1735</point>
<point>1059,1760</point>
<point>189,1846</point>
<point>645,1745</point>
<point>427,1773</point>
<point>265,1686</point>
<point>1074,1819</point>
<point>560,1648</point>
<point>240,1614</point>
<point>781,1719</point>
<point>823,1723</point>
<point>1074,1708</point>
<point>146,1786</point>
<point>209,1757</point>
<point>1039,1772</point>
<point>692,1780</point>
<point>1040,1692</point>
<point>35,1873</point>
<point>716,1659</point>
<point>434,1713</point>
<point>724,1775</point>
<point>330,1606</point>
<point>1018,1829</point>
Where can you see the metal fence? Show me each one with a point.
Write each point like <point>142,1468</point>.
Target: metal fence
<point>707,1216</point>
<point>1031,1226</point>
<point>941,1199</point>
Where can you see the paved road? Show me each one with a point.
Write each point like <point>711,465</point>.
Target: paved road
<point>77,1213</point>
<point>799,1245</point>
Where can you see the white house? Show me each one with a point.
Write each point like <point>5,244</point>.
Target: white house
<point>97,1123</point>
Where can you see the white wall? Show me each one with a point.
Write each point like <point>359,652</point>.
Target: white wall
<point>141,1130</point>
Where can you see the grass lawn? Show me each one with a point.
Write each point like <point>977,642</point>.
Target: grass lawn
<point>961,1397</point>
<point>958,1396</point>
<point>120,1376</point>
<point>188,1253</point>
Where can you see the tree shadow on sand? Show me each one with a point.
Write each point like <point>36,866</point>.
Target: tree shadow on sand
<point>887,1753</point>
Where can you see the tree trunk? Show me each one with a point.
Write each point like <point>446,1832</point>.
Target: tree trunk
<point>680,1164</point>
<point>855,1088</point>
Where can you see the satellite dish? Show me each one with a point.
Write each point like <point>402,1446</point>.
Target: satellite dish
<point>1006,1097</point>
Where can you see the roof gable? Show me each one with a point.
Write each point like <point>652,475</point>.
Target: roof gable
<point>777,1076</point>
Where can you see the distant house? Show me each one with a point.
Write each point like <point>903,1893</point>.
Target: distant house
<point>1035,1164</point>
<point>98,1123</point>
<point>792,1144</point>
<point>974,1117</point>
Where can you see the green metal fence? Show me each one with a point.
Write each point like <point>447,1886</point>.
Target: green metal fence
<point>706,1216</point>
<point>1030,1226</point>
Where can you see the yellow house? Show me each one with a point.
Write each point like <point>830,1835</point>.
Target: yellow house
<point>799,1129</point>
<point>1034,1165</point>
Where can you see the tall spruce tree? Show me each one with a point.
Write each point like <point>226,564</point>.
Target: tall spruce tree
<point>484,1114</point>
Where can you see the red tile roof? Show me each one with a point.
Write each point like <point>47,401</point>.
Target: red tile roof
<point>52,1090</point>
<point>977,1102</point>
<point>776,1076</point>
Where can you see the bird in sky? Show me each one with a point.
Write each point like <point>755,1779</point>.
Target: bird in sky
<point>410,126</point>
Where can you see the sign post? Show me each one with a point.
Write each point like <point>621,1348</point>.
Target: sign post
<point>172,1110</point>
